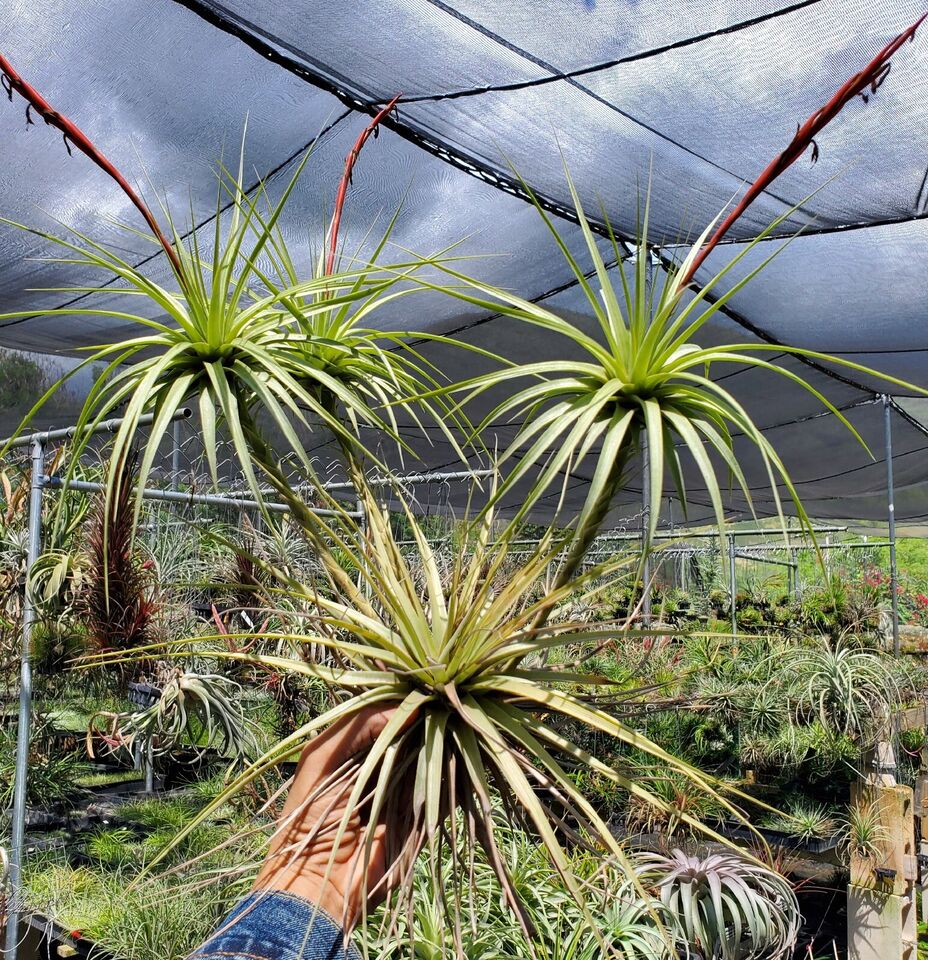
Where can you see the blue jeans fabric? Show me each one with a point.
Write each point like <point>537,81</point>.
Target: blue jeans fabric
<point>270,925</point>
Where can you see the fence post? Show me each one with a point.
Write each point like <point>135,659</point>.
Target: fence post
<point>18,831</point>
<point>891,511</point>
<point>733,584</point>
<point>645,565</point>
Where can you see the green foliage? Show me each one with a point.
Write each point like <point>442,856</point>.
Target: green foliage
<point>863,834</point>
<point>804,820</point>
<point>113,847</point>
<point>157,920</point>
<point>246,331</point>
<point>848,689</point>
<point>133,915</point>
<point>109,778</point>
<point>52,773</point>
<point>727,907</point>
<point>21,378</point>
<point>621,923</point>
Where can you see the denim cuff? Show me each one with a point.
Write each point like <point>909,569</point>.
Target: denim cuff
<point>272,925</point>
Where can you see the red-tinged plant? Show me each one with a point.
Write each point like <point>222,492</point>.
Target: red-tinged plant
<point>341,195</point>
<point>869,79</point>
<point>119,602</point>
<point>72,134</point>
<point>643,379</point>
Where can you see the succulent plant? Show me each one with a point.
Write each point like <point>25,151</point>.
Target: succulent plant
<point>725,906</point>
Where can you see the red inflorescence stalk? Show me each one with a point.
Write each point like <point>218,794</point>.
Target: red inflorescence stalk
<point>871,76</point>
<point>83,143</point>
<point>343,185</point>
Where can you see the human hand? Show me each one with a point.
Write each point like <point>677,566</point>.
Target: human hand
<point>301,849</point>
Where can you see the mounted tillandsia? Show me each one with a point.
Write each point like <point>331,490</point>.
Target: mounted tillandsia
<point>476,716</point>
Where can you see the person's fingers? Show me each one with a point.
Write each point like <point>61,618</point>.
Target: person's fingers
<point>358,733</point>
<point>346,738</point>
<point>328,751</point>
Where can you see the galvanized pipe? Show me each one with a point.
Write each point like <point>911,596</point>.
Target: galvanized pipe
<point>67,433</point>
<point>645,524</point>
<point>413,479</point>
<point>201,499</point>
<point>33,550</point>
<point>733,583</point>
<point>891,511</point>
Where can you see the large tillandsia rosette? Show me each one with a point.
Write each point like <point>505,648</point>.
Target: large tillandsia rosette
<point>456,647</point>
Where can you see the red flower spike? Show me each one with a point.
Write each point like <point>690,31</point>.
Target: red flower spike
<point>350,161</point>
<point>73,133</point>
<point>872,76</point>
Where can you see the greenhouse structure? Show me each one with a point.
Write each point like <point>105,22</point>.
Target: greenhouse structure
<point>463,480</point>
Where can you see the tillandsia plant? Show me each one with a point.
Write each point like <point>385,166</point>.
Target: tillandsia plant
<point>727,907</point>
<point>849,690</point>
<point>193,709</point>
<point>240,337</point>
<point>475,713</point>
<point>644,382</point>
<point>118,599</point>
<point>626,920</point>
<point>645,379</point>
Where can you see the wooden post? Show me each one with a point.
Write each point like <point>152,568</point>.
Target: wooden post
<point>881,894</point>
<point>881,923</point>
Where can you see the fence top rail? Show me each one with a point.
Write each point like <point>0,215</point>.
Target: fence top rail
<point>66,433</point>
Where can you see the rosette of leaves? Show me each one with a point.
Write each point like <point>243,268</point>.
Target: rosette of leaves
<point>848,689</point>
<point>725,906</point>
<point>242,331</point>
<point>477,715</point>
<point>193,709</point>
<point>642,379</point>
<point>118,597</point>
<point>805,820</point>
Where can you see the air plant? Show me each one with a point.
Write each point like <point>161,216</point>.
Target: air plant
<point>240,336</point>
<point>687,808</point>
<point>200,710</point>
<point>645,380</point>
<point>622,918</point>
<point>805,820</point>
<point>475,710</point>
<point>864,836</point>
<point>849,690</point>
<point>118,600</point>
<point>726,906</point>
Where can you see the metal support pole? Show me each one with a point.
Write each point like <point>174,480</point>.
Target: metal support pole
<point>149,768</point>
<point>645,525</point>
<point>205,499</point>
<point>175,456</point>
<point>732,584</point>
<point>891,511</point>
<point>25,704</point>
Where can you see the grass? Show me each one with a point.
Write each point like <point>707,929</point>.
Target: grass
<point>109,778</point>
<point>132,916</point>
